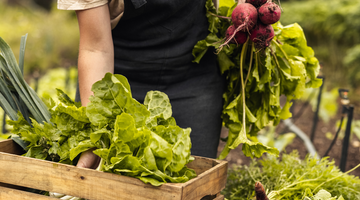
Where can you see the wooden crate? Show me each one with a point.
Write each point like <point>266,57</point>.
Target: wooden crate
<point>17,172</point>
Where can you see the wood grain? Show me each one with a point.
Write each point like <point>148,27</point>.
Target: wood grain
<point>8,193</point>
<point>95,185</point>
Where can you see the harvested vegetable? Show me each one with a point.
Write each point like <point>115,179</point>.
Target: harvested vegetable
<point>260,192</point>
<point>269,13</point>
<point>240,36</point>
<point>245,16</point>
<point>262,35</point>
<point>257,75</point>
<point>132,139</point>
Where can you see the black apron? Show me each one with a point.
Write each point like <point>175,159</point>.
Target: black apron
<point>153,45</point>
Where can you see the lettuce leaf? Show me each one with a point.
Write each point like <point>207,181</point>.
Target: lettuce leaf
<point>132,139</point>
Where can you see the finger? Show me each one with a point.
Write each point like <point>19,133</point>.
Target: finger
<point>88,160</point>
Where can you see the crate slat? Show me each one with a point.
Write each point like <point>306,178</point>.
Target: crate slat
<point>220,197</point>
<point>95,185</point>
<point>9,193</point>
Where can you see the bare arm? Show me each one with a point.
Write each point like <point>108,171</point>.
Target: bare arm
<point>241,1</point>
<point>96,52</point>
<point>96,57</point>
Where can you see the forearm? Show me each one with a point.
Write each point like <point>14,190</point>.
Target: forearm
<point>92,66</point>
<point>96,51</point>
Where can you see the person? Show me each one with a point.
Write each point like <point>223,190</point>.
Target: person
<point>150,42</point>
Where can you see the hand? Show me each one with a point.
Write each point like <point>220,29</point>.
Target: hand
<point>88,160</point>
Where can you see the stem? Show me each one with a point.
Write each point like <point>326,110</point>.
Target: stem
<point>281,49</point>
<point>276,60</point>
<point>219,16</point>
<point>242,59</point>
<point>101,164</point>
<point>251,59</point>
<point>272,194</point>
<point>337,176</point>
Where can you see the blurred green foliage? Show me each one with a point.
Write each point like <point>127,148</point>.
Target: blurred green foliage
<point>52,36</point>
<point>328,106</point>
<point>332,29</point>
<point>2,136</point>
<point>57,78</point>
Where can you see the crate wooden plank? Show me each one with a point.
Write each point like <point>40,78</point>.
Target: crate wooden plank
<point>95,185</point>
<point>9,146</point>
<point>220,197</point>
<point>210,182</point>
<point>9,193</point>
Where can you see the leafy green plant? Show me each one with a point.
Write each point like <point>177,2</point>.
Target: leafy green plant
<point>16,95</point>
<point>321,195</point>
<point>257,78</point>
<point>332,29</point>
<point>133,139</point>
<point>54,78</point>
<point>291,178</point>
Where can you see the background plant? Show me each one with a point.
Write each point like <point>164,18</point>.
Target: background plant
<point>61,78</point>
<point>333,30</point>
<point>52,44</point>
<point>290,178</point>
<point>52,36</point>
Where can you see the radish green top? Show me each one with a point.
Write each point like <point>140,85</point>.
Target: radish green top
<point>256,78</point>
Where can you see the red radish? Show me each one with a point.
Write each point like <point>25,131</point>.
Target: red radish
<point>269,13</point>
<point>240,36</point>
<point>256,3</point>
<point>244,16</point>
<point>230,31</point>
<point>260,192</point>
<point>262,35</point>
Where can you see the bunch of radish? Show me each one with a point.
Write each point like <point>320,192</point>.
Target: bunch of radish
<point>253,19</point>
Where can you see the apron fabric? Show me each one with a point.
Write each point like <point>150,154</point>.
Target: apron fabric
<point>153,45</point>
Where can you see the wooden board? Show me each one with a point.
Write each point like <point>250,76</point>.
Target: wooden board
<point>8,193</point>
<point>220,197</point>
<point>94,185</point>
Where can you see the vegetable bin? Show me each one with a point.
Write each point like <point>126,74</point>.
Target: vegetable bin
<point>18,173</point>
